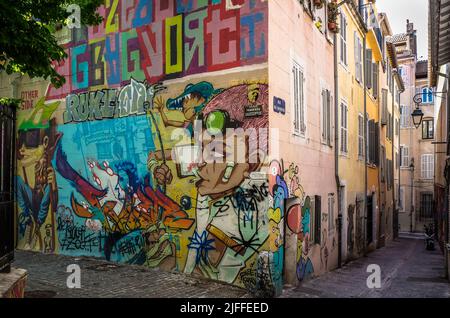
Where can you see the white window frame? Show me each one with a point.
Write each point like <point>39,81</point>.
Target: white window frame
<point>343,39</point>
<point>367,138</point>
<point>358,58</point>
<point>343,130</point>
<point>326,118</point>
<point>405,116</point>
<point>427,95</point>
<point>404,159</point>
<point>360,136</point>
<point>427,166</point>
<point>299,116</point>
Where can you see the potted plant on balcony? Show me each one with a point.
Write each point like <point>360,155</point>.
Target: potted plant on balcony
<point>333,13</point>
<point>318,4</point>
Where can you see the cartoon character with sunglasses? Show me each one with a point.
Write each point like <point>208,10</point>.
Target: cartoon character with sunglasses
<point>36,181</point>
<point>223,239</point>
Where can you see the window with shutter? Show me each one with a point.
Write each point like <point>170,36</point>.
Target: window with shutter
<point>405,115</point>
<point>404,154</point>
<point>298,100</point>
<point>343,36</point>
<point>375,80</point>
<point>371,141</point>
<point>388,73</point>
<point>326,117</point>
<point>428,129</point>
<point>376,144</point>
<point>367,139</point>
<point>356,46</point>
<point>427,95</point>
<point>390,172</point>
<point>368,68</point>
<point>384,102</point>
<point>317,219</point>
<point>360,59</point>
<point>427,171</point>
<point>329,127</point>
<point>383,164</point>
<point>360,136</point>
<point>344,128</point>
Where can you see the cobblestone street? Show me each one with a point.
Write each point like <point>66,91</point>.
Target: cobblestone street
<point>47,278</point>
<point>407,270</point>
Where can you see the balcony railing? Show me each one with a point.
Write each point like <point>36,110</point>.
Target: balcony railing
<point>370,18</point>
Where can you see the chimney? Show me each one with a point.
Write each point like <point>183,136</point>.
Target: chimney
<point>409,27</point>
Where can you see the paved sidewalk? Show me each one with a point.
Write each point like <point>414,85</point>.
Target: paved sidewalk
<point>47,277</point>
<point>407,270</point>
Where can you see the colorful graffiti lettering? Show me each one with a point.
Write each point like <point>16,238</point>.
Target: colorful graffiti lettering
<point>133,99</point>
<point>159,40</point>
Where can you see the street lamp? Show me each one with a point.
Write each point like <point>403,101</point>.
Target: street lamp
<point>417,117</point>
<point>417,114</point>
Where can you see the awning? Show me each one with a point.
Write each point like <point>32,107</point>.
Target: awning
<point>439,36</point>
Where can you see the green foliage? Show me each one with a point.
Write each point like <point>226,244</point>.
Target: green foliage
<point>27,41</point>
<point>4,101</point>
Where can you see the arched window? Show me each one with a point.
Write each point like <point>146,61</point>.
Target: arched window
<point>427,95</point>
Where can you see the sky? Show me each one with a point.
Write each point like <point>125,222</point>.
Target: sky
<point>414,10</point>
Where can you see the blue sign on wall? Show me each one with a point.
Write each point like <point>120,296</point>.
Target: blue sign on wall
<point>279,105</point>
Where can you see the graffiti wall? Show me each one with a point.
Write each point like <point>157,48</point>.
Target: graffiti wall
<point>154,150</point>
<point>163,39</point>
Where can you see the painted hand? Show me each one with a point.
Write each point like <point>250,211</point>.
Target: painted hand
<point>159,103</point>
<point>51,180</point>
<point>163,174</point>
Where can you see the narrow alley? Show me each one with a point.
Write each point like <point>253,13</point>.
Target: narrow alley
<point>408,270</point>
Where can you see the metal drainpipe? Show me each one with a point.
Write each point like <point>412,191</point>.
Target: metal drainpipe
<point>393,156</point>
<point>399,170</point>
<point>447,249</point>
<point>365,147</point>
<point>336,149</point>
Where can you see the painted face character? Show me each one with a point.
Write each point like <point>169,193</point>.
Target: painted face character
<point>222,169</point>
<point>32,145</point>
<point>190,102</point>
<point>226,162</point>
<point>306,219</point>
<point>280,192</point>
<point>106,178</point>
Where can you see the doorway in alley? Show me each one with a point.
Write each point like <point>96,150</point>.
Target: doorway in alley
<point>369,220</point>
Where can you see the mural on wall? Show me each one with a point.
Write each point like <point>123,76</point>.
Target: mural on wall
<point>37,193</point>
<point>287,185</point>
<point>107,160</point>
<point>160,40</point>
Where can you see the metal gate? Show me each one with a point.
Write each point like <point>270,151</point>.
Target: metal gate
<point>7,169</point>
